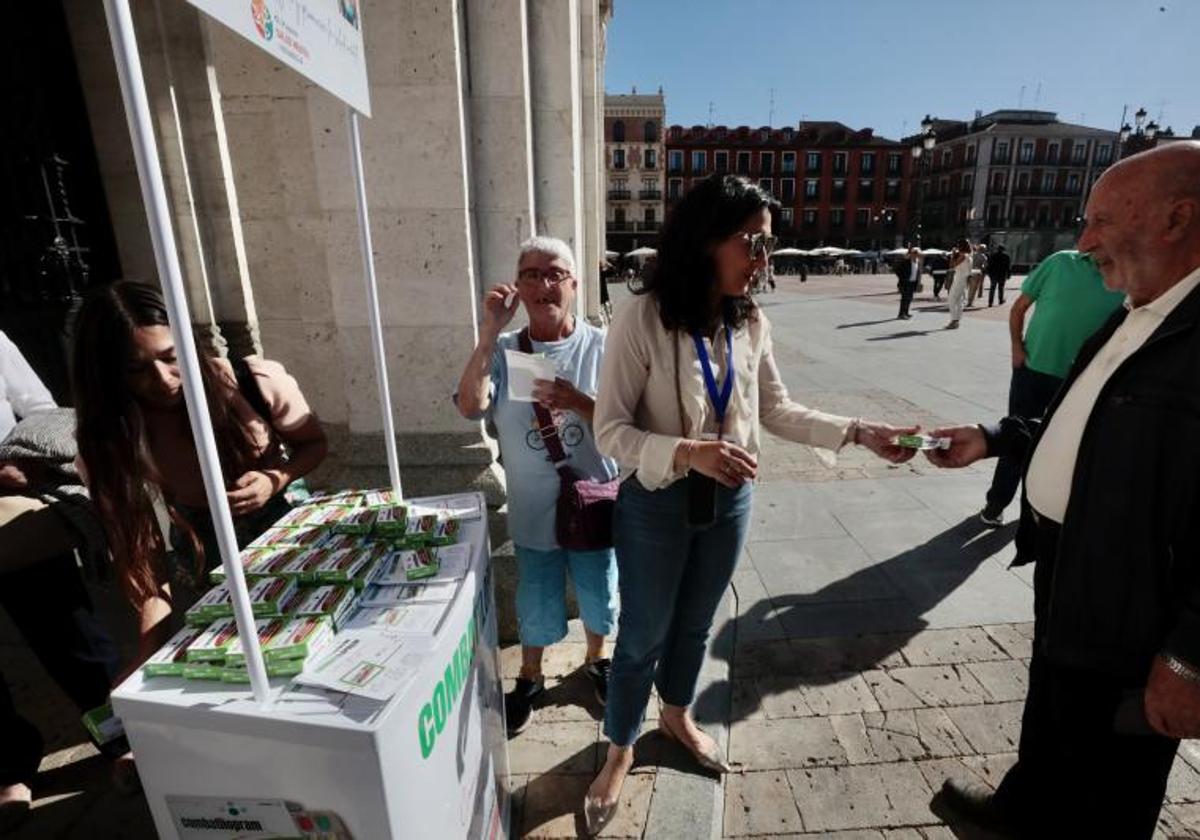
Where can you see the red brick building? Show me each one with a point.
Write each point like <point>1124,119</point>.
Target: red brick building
<point>837,185</point>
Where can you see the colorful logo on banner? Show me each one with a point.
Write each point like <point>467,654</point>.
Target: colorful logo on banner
<point>262,19</point>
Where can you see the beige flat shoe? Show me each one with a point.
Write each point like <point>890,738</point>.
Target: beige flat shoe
<point>710,760</point>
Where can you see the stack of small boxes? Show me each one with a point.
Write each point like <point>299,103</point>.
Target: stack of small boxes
<point>305,575</point>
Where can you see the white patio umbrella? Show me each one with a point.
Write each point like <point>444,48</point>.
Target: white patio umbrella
<point>611,255</point>
<point>895,252</point>
<point>642,252</point>
<point>933,252</point>
<point>828,251</point>
<point>789,252</point>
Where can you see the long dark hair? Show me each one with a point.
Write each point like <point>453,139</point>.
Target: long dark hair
<point>685,274</point>
<point>111,430</point>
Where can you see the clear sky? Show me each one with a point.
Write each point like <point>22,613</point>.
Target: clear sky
<point>885,63</point>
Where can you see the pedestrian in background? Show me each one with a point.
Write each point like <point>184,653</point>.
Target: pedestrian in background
<point>1070,302</point>
<point>999,269</point>
<point>908,275</point>
<point>978,267</point>
<point>960,266</point>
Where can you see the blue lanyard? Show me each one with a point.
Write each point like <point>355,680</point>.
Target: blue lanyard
<point>719,398</point>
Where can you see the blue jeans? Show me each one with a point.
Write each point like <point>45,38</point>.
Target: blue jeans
<point>671,577</point>
<point>541,592</point>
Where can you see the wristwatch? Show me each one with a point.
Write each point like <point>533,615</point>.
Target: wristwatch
<point>1180,668</point>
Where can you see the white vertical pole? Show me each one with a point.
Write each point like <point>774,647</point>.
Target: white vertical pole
<point>368,258</point>
<point>154,194</point>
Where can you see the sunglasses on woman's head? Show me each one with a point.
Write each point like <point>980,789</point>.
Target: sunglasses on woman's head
<point>759,245</point>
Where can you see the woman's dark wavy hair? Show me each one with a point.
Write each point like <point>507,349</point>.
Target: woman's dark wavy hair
<point>685,273</point>
<point>111,431</point>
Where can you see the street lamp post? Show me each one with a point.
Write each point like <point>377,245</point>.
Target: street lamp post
<point>1138,137</point>
<point>922,152</point>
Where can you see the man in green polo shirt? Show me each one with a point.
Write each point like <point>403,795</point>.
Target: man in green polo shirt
<point>1070,302</point>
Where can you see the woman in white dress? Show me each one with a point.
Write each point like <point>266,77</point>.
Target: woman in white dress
<point>960,267</point>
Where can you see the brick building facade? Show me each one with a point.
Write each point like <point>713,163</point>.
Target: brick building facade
<point>837,185</point>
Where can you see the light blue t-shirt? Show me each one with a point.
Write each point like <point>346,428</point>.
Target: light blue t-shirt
<point>532,480</point>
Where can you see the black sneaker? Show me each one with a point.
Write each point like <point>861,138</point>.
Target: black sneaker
<point>991,517</point>
<point>974,803</point>
<point>518,704</point>
<point>597,671</point>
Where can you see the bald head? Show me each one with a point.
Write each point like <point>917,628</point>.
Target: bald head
<point>1143,220</point>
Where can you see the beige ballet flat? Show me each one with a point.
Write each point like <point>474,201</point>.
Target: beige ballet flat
<point>710,760</point>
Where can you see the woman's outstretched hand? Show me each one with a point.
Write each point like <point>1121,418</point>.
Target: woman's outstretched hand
<point>880,438</point>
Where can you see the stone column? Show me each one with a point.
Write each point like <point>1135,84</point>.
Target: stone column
<point>592,104</point>
<point>500,135</point>
<point>557,123</point>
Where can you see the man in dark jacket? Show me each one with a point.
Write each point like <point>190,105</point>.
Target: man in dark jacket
<point>908,275</point>
<point>999,269</point>
<point>1111,515</point>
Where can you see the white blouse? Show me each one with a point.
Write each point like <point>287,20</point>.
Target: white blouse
<point>637,420</point>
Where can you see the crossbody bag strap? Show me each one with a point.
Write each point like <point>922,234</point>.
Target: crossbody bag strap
<point>683,429</point>
<point>546,428</point>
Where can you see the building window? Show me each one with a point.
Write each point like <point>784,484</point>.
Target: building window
<point>811,188</point>
<point>1103,154</point>
<point>1026,152</point>
<point>999,181</point>
<point>650,131</point>
<point>618,158</point>
<point>766,163</point>
<point>839,189</point>
<point>892,191</point>
<point>650,217</point>
<point>839,163</point>
<point>1000,155</point>
<point>619,218</point>
<point>721,161</point>
<point>618,131</point>
<point>699,162</point>
<point>866,190</point>
<point>1052,153</point>
<point>813,162</point>
<point>785,217</point>
<point>1079,153</point>
<point>993,215</point>
<point>947,157</point>
<point>837,217</point>
<point>1073,183</point>
<point>789,163</point>
<point>894,162</point>
<point>787,190</point>
<point>743,163</point>
<point>944,186</point>
<point>1023,182</point>
<point>866,163</point>
<point>674,188</point>
<point>862,218</point>
<point>971,150</point>
<point>650,158</point>
<point>1048,182</point>
<point>968,183</point>
<point>766,184</point>
<point>810,218</point>
<point>1018,215</point>
<point>675,160</point>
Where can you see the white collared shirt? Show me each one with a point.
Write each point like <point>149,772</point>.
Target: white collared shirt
<point>1052,468</point>
<point>915,274</point>
<point>21,392</point>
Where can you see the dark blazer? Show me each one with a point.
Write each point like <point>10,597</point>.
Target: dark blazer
<point>999,266</point>
<point>1124,582</point>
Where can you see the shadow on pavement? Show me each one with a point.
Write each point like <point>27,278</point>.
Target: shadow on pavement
<point>904,334</point>
<point>840,643</point>
<point>865,323</point>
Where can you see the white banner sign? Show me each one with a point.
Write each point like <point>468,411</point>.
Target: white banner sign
<point>322,39</point>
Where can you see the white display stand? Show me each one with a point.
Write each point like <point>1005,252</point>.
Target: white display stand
<point>427,764</point>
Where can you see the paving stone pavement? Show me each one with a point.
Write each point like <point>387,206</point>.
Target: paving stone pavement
<point>874,641</point>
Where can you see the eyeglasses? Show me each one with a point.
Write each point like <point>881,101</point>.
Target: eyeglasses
<point>759,245</point>
<point>533,276</point>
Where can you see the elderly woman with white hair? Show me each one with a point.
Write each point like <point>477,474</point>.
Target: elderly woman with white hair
<point>546,286</point>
